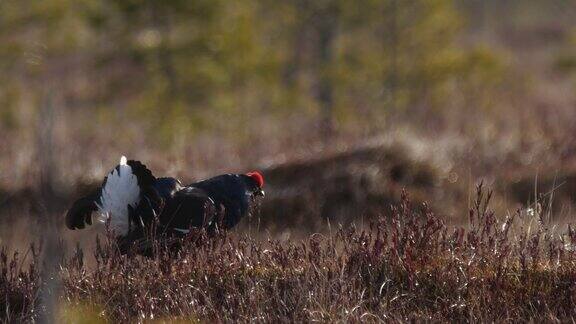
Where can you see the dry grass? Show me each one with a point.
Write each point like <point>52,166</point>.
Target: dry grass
<point>407,265</point>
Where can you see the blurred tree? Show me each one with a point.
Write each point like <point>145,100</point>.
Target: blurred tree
<point>362,61</point>
<point>175,67</point>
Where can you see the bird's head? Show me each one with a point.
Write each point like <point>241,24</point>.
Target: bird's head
<point>255,183</point>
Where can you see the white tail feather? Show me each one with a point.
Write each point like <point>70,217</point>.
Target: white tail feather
<point>120,191</point>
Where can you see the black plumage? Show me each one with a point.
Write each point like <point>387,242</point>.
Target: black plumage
<point>168,209</point>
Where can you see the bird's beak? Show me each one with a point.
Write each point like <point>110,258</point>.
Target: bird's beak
<point>260,192</point>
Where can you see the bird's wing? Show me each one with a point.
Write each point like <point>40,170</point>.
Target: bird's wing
<point>190,208</point>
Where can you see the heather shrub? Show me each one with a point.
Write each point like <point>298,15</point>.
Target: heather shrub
<point>406,265</point>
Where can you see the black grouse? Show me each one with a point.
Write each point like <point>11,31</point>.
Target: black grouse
<point>138,206</point>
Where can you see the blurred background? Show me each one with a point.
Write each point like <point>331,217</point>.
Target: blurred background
<point>341,103</point>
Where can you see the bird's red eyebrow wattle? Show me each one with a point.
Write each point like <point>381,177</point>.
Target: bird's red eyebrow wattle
<point>257,176</point>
